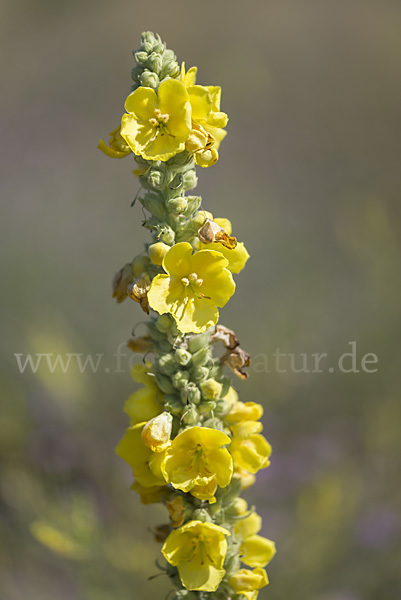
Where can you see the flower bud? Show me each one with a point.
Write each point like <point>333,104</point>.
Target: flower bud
<point>164,323</point>
<point>182,356</point>
<point>177,205</point>
<point>139,265</point>
<point>211,389</point>
<point>197,342</point>
<point>167,364</point>
<point>201,357</point>
<point>149,79</point>
<point>157,252</point>
<point>164,383</point>
<point>190,416</point>
<point>173,405</point>
<point>156,178</point>
<point>190,180</point>
<point>198,220</point>
<point>199,374</point>
<point>202,514</point>
<point>167,235</point>
<point>180,379</point>
<point>155,62</point>
<point>191,394</point>
<point>157,432</point>
<point>136,74</point>
<point>193,203</point>
<point>141,58</point>
<point>206,407</point>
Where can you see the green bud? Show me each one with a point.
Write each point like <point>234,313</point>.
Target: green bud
<point>156,178</point>
<point>190,416</point>
<point>155,333</point>
<point>149,79</point>
<point>190,180</point>
<point>211,389</point>
<point>199,374</point>
<point>155,62</point>
<point>229,494</point>
<point>164,383</point>
<point>167,364</point>
<point>141,58</point>
<point>166,234</point>
<point>201,357</point>
<point>182,356</point>
<point>206,407</point>
<point>180,379</point>
<point>193,203</point>
<point>197,342</point>
<point>136,74</point>
<point>164,323</point>
<point>177,205</point>
<point>149,41</point>
<point>191,394</point>
<point>202,514</point>
<point>140,265</point>
<point>215,423</point>
<point>159,48</point>
<point>173,405</point>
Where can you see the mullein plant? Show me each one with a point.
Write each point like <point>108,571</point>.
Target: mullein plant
<point>192,444</point>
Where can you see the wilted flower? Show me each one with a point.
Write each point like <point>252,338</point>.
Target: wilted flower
<point>236,359</point>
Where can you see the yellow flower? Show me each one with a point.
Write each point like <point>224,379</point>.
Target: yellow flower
<point>244,411</point>
<point>157,125</point>
<point>237,256</point>
<point>117,148</point>
<point>198,550</point>
<point>207,120</point>
<point>157,432</point>
<point>248,582</point>
<point>257,551</point>
<point>249,449</point>
<point>196,462</point>
<point>144,463</point>
<point>143,404</point>
<point>195,285</point>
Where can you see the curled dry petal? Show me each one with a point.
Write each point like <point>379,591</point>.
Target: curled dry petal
<point>138,291</point>
<point>237,359</point>
<point>226,336</point>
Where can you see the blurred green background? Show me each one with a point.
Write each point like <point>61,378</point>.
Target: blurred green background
<point>310,177</point>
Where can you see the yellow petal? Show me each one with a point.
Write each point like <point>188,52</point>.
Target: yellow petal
<point>136,134</point>
<point>244,411</point>
<point>111,151</point>
<point>218,283</point>
<point>163,293</point>
<point>142,103</point>
<point>174,101</point>
<point>236,257</point>
<point>177,260</point>
<point>201,102</point>
<point>142,405</point>
<point>196,316</point>
<point>257,551</point>
<point>163,147</point>
<point>251,525</point>
<point>137,455</point>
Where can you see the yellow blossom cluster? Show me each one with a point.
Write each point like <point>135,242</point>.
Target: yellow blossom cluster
<point>191,443</point>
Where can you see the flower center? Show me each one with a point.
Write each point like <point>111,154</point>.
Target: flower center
<point>159,120</point>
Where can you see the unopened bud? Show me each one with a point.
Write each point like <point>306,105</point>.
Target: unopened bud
<point>190,416</point>
<point>191,394</point>
<point>190,180</point>
<point>201,357</point>
<point>155,62</point>
<point>211,389</point>
<point>153,202</point>
<point>167,364</point>
<point>202,514</point>
<point>140,265</point>
<point>199,374</point>
<point>164,383</point>
<point>141,58</point>
<point>180,379</point>
<point>164,323</point>
<point>157,252</point>
<point>149,79</point>
<point>173,405</point>
<point>182,356</point>
<point>177,205</point>
<point>206,407</point>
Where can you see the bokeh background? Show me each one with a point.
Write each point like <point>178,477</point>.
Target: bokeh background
<point>309,175</point>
